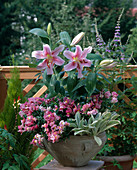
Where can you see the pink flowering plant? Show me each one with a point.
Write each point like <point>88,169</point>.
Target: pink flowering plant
<point>77,101</point>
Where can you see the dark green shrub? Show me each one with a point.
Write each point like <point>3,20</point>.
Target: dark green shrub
<point>10,156</point>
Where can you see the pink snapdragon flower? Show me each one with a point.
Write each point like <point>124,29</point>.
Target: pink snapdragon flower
<point>85,107</point>
<point>77,60</point>
<point>114,100</point>
<point>107,94</point>
<point>114,94</point>
<point>37,140</point>
<point>92,112</point>
<point>54,137</point>
<point>49,58</point>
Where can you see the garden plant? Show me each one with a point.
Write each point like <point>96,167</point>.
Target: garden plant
<point>121,139</point>
<point>77,102</point>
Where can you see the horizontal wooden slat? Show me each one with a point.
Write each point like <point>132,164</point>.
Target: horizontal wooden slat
<point>29,73</point>
<point>25,72</point>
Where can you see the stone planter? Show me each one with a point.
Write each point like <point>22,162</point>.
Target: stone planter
<point>125,161</point>
<point>74,151</point>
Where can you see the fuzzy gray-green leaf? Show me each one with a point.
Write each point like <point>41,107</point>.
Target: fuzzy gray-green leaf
<point>98,140</point>
<point>111,124</point>
<point>77,118</point>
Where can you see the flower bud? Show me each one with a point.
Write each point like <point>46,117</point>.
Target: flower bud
<point>49,29</point>
<point>108,63</point>
<point>77,38</point>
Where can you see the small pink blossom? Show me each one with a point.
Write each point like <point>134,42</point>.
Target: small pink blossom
<point>107,94</point>
<point>97,105</point>
<point>114,94</point>
<point>92,112</point>
<point>37,140</point>
<point>54,137</point>
<point>85,107</point>
<point>114,100</point>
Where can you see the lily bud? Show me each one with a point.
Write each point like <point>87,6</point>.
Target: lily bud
<point>77,38</point>
<point>108,63</point>
<point>49,29</point>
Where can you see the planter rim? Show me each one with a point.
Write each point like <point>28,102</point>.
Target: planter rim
<point>72,137</point>
<point>118,158</point>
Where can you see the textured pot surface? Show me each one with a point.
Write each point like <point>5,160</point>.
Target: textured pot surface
<point>74,151</point>
<point>126,162</point>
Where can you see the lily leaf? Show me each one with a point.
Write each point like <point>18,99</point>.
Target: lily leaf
<point>91,83</point>
<point>71,83</point>
<point>80,84</point>
<point>65,38</point>
<point>94,57</point>
<point>39,32</point>
<point>62,90</point>
<point>57,86</point>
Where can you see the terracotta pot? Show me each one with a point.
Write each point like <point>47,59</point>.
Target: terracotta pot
<point>74,151</point>
<point>125,161</point>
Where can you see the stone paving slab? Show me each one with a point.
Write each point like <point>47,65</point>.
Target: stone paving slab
<point>54,165</point>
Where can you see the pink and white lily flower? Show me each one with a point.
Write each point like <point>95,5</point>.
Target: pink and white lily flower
<point>49,58</point>
<point>77,60</point>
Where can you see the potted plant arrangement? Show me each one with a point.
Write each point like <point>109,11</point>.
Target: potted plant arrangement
<point>77,108</point>
<point>120,149</point>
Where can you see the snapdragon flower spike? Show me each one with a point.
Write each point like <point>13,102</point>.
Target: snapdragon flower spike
<point>49,58</point>
<point>117,34</point>
<point>77,59</point>
<point>100,41</point>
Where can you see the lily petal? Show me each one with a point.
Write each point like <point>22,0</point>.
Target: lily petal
<point>86,51</point>
<point>79,68</point>
<point>42,65</point>
<point>78,51</point>
<point>38,54</point>
<point>70,66</point>
<point>57,50</point>
<point>85,62</point>
<point>50,69</point>
<point>69,55</point>
<point>58,61</point>
<point>46,50</point>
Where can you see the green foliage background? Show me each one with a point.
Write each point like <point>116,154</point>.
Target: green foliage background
<point>19,16</point>
<point>11,118</point>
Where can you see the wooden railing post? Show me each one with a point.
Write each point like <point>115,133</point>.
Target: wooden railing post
<point>3,92</point>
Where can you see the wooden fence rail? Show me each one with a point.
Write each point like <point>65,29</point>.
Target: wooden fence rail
<point>29,73</point>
